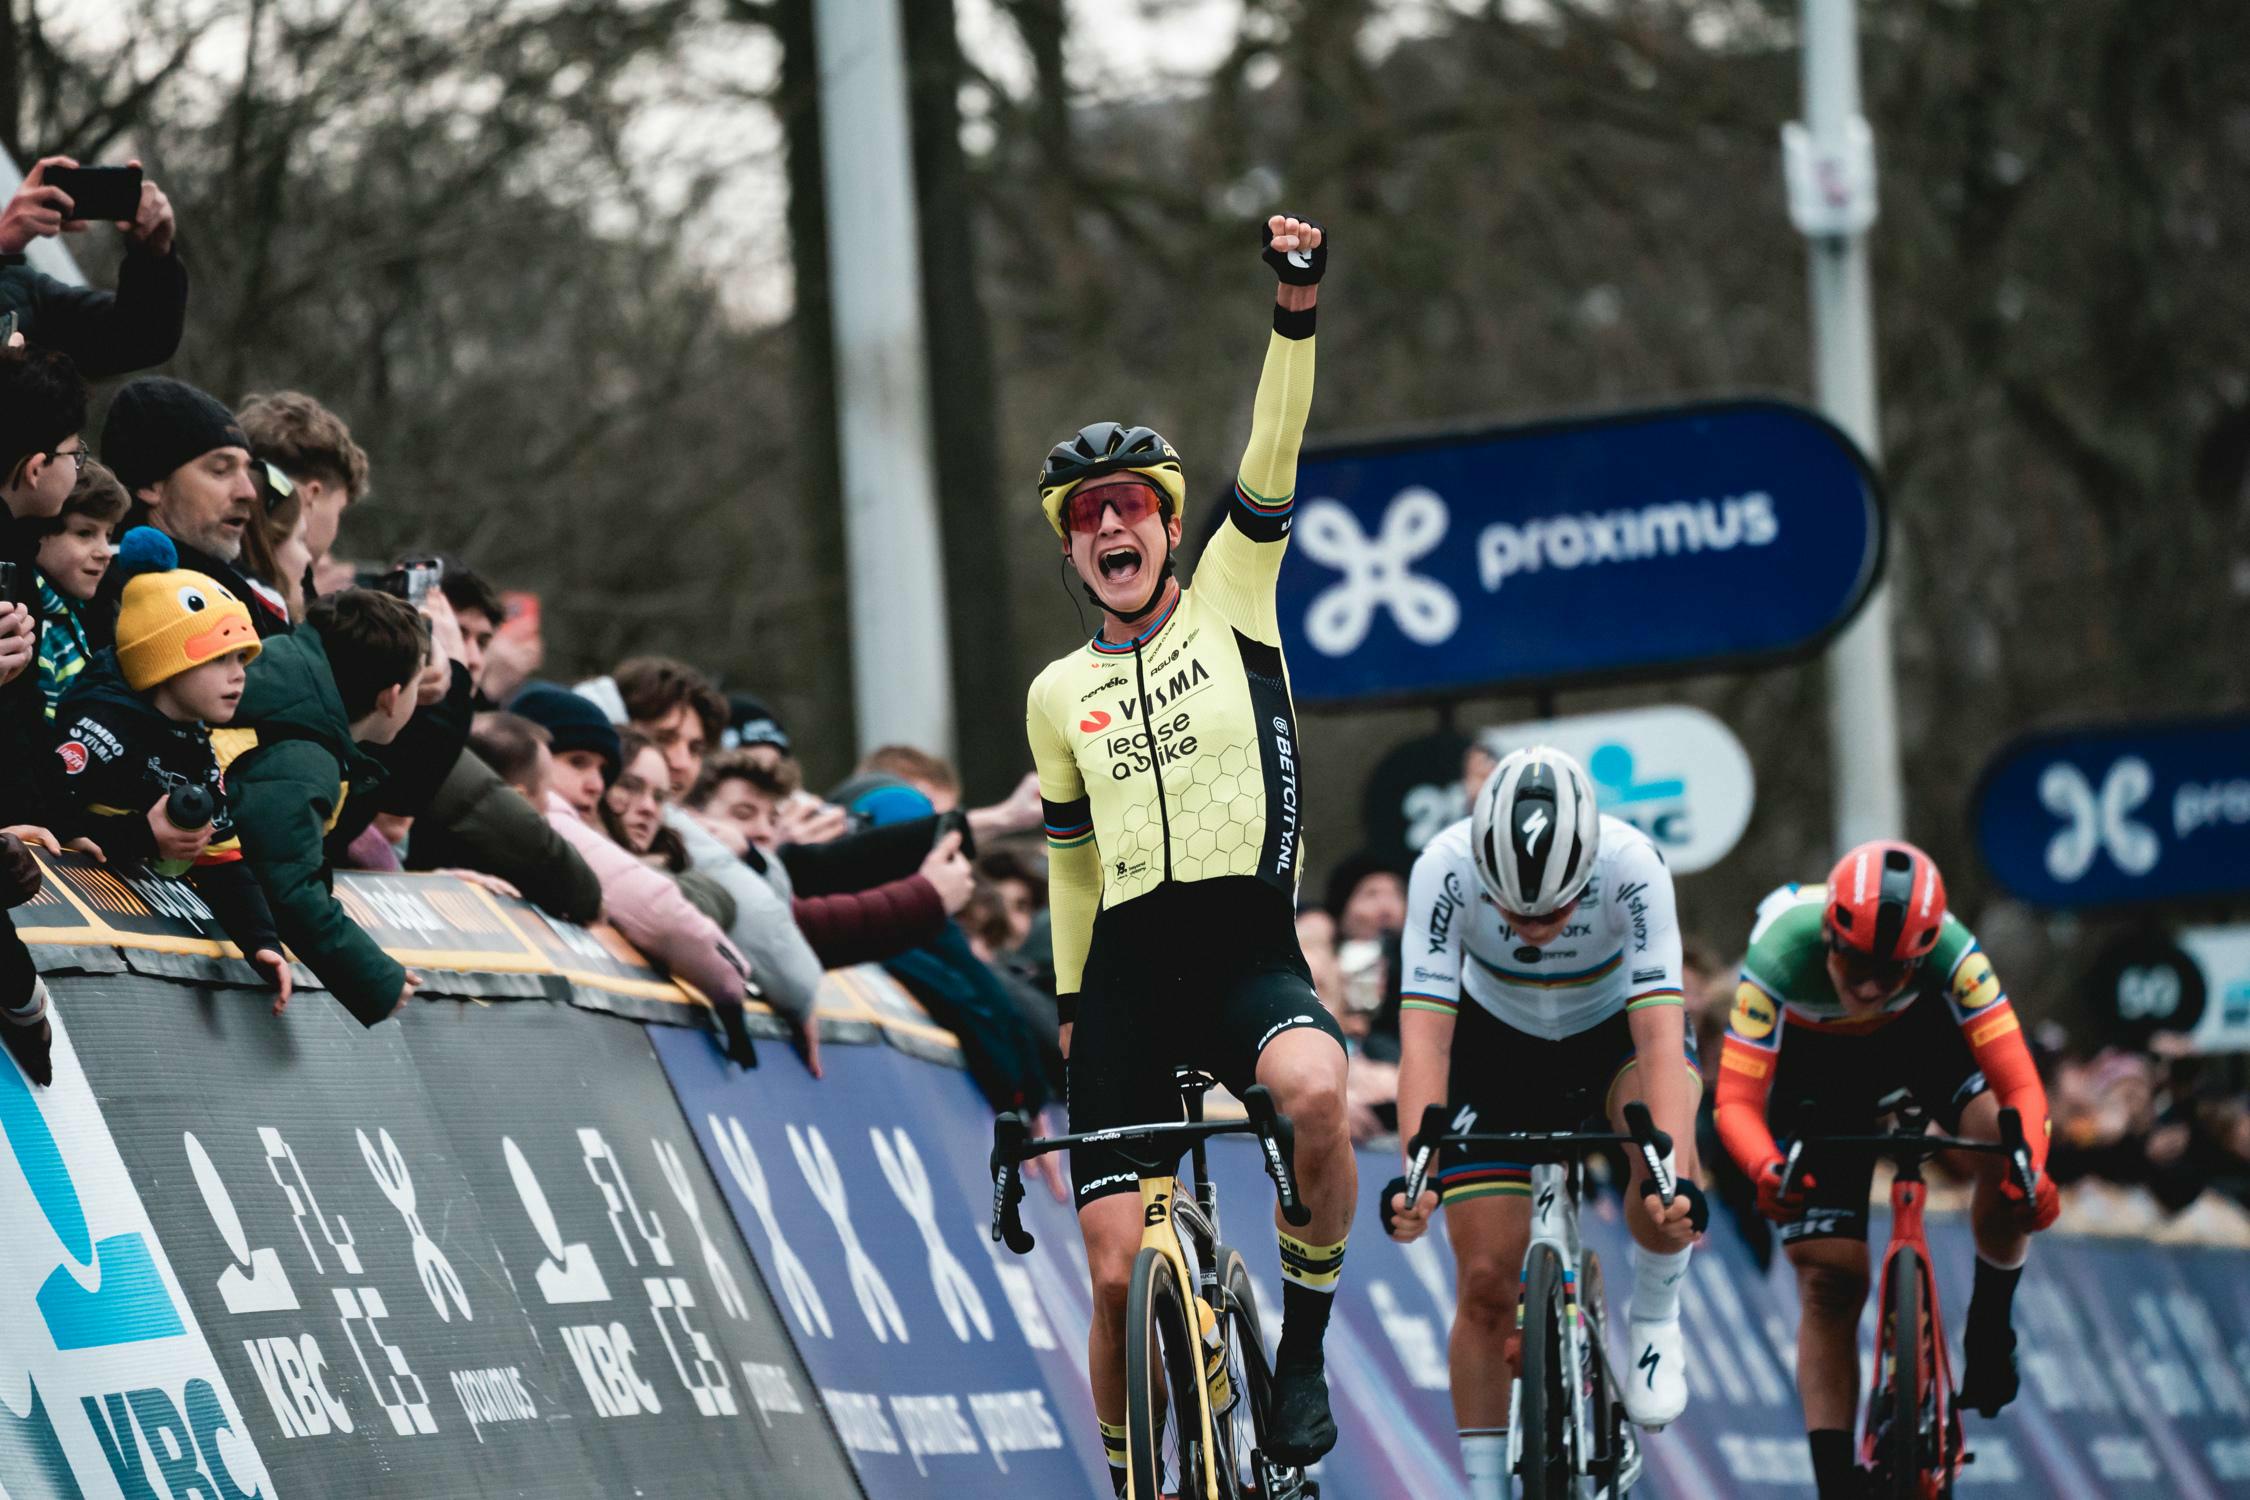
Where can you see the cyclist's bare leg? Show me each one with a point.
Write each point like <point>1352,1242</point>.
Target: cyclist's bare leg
<point>2000,1237</point>
<point>1831,1289</point>
<point>1629,1090</point>
<point>1304,1069</point>
<point>1989,1379</point>
<point>1489,1236</point>
<point>1112,1230</point>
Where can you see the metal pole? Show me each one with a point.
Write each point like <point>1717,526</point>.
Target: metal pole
<point>901,679</point>
<point>1830,160</point>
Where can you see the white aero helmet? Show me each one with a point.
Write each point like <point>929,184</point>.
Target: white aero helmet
<point>1535,831</point>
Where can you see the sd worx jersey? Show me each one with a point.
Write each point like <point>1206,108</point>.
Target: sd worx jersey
<point>1172,758</point>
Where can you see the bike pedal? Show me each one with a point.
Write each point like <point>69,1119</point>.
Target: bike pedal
<point>1282,1482</point>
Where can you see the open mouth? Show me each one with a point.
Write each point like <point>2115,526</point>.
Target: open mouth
<point>1120,564</point>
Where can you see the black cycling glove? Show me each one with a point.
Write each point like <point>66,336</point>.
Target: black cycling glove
<point>1296,267</point>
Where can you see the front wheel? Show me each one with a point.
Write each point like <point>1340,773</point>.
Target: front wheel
<point>1898,1455</point>
<point>1545,1382</point>
<point>1163,1408</point>
<point>1242,1431</point>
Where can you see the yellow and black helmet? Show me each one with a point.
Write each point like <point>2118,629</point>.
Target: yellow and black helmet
<point>1109,448</point>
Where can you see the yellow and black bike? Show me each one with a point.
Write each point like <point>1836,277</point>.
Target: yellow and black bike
<point>1198,1384</point>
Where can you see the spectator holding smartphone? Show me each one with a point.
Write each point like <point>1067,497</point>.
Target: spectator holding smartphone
<point>74,557</point>
<point>104,333</point>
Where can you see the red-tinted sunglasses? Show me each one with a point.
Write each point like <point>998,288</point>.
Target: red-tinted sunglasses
<point>1134,503</point>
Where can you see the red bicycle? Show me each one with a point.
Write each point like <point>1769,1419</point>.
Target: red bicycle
<point>1912,1444</point>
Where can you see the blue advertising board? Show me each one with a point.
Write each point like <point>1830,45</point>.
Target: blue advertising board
<point>2112,815</point>
<point>1690,538</point>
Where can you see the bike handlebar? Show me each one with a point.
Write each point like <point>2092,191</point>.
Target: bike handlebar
<point>1897,1144</point>
<point>1013,1145</point>
<point>1642,1135</point>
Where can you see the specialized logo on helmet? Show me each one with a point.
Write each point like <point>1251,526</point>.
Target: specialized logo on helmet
<point>1378,573</point>
<point>1533,826</point>
<point>1754,1015</point>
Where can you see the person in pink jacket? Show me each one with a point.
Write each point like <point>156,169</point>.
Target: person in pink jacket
<point>644,904</point>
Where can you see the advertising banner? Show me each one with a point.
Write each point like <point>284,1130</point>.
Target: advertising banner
<point>472,1252</point>
<point>1691,538</point>
<point>2108,816</point>
<point>1676,773</point>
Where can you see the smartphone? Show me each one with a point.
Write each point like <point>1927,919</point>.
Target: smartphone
<point>9,572</point>
<point>98,193</point>
<point>8,321</point>
<point>522,623</point>
<point>413,579</point>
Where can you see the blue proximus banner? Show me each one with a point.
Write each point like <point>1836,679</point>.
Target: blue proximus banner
<point>954,1368</point>
<point>1646,544</point>
<point>2103,816</point>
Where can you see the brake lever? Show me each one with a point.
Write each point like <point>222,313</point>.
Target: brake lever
<point>1277,1138</point>
<point>1011,1132</point>
<point>1655,1147</point>
<point>1423,1151</point>
<point>2019,1152</point>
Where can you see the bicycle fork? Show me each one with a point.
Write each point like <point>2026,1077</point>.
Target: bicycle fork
<point>1168,1224</point>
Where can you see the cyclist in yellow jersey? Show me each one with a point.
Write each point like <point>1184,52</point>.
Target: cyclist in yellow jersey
<point>1169,765</point>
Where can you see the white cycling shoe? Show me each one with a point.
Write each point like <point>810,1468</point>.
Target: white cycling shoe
<point>1654,1379</point>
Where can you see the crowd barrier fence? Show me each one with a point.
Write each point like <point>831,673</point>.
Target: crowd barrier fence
<point>538,1238</point>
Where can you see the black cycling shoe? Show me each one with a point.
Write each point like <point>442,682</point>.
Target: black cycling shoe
<point>1990,1381</point>
<point>1300,1430</point>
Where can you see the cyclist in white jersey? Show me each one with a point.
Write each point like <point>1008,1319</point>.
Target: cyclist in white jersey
<point>1541,966</point>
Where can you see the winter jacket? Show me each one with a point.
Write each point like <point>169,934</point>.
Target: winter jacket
<point>872,856</point>
<point>63,647</point>
<point>27,792</point>
<point>969,1000</point>
<point>119,756</point>
<point>292,767</point>
<point>647,907</point>
<point>136,327</point>
<point>425,755</point>
<point>872,925</point>
<point>788,969</point>
<point>479,822</point>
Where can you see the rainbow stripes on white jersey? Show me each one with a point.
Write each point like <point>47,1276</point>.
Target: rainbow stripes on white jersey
<point>1620,951</point>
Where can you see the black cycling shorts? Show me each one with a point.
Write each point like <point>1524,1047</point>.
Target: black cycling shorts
<point>1202,975</point>
<point>1831,1084</point>
<point>1510,1080</point>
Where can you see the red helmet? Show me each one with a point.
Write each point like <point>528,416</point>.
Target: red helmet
<point>1886,902</point>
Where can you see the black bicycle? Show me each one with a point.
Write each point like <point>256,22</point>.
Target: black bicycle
<point>1197,1384</point>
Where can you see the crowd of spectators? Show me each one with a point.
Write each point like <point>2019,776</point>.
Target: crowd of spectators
<point>198,679</point>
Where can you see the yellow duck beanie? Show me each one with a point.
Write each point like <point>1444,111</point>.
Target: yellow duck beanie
<point>174,619</point>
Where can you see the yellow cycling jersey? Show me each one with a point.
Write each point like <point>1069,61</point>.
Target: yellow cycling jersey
<point>1173,757</point>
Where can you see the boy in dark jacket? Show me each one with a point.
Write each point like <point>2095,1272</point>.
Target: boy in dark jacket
<point>74,558</point>
<point>135,746</point>
<point>344,680</point>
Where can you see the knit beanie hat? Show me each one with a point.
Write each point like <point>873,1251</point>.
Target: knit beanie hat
<point>750,722</point>
<point>171,618</point>
<point>156,424</point>
<point>572,722</point>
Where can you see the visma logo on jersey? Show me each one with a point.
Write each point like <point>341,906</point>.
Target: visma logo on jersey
<point>1642,544</point>
<point>106,1384</point>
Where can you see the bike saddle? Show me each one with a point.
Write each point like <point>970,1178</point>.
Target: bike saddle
<point>1193,1082</point>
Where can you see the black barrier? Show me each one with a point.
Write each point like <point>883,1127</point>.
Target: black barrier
<point>473,1253</point>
